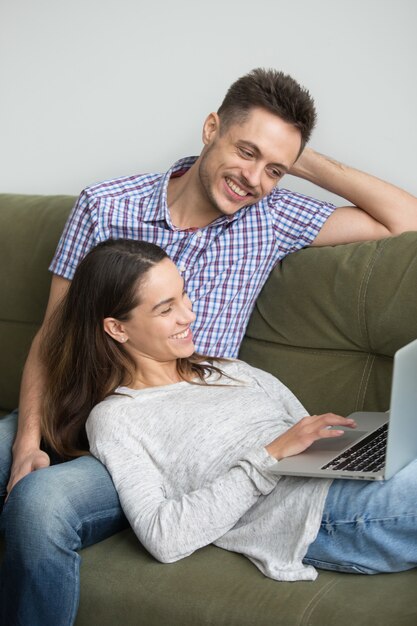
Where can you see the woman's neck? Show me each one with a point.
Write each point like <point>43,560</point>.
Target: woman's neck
<point>155,375</point>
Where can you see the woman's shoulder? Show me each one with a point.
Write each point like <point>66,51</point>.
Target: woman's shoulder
<point>237,366</point>
<point>229,367</point>
<point>110,406</point>
<point>252,376</point>
<point>103,422</point>
<point>237,370</point>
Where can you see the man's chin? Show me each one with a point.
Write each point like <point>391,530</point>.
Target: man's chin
<point>232,209</point>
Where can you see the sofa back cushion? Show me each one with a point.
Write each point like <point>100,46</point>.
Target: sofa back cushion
<point>30,227</point>
<point>329,321</point>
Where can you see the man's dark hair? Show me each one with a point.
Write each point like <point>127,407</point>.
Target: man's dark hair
<point>274,91</point>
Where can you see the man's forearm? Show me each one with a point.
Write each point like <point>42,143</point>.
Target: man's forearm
<point>34,383</point>
<point>27,455</point>
<point>29,424</point>
<point>391,206</point>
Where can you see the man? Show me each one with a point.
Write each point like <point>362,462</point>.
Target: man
<point>225,223</point>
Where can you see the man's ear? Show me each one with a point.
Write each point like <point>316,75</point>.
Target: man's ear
<point>211,128</point>
<point>115,329</point>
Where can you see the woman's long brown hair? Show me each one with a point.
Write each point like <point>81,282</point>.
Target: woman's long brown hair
<point>82,363</point>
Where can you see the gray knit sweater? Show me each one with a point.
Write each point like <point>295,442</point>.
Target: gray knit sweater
<point>190,467</point>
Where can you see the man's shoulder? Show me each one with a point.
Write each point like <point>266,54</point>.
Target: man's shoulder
<point>133,186</point>
<point>281,197</point>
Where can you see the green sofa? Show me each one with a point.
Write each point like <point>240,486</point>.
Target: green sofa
<point>327,323</point>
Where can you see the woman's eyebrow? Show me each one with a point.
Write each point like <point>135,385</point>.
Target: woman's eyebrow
<point>168,300</point>
<point>163,303</point>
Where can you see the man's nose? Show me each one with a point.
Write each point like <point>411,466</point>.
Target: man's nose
<point>252,173</point>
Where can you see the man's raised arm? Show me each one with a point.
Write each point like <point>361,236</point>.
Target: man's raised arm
<point>27,455</point>
<point>379,209</point>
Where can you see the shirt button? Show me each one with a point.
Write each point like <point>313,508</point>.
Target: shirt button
<point>182,268</point>
<point>199,233</point>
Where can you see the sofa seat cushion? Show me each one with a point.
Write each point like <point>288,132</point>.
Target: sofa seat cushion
<point>123,584</point>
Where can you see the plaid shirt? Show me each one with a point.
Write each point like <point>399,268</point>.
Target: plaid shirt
<point>224,264</point>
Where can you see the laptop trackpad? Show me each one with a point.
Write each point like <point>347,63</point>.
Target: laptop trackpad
<point>337,444</point>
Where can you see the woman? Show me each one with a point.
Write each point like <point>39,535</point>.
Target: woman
<point>191,442</point>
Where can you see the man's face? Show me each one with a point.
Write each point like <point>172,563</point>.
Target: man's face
<point>244,163</point>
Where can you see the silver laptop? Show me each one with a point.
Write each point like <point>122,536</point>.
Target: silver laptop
<point>380,445</point>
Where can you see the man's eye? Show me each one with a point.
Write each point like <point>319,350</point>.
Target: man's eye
<point>275,173</point>
<point>247,154</point>
<point>166,311</point>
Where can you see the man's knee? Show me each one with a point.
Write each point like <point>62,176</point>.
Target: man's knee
<point>62,490</point>
<point>71,504</point>
<point>36,510</point>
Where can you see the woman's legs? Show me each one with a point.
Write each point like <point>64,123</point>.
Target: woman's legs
<point>369,527</point>
<point>49,515</point>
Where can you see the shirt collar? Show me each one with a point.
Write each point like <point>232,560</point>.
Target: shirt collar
<point>157,208</point>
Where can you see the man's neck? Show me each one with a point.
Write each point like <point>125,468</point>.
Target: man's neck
<point>188,206</point>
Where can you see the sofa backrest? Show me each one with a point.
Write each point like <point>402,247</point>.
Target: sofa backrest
<point>30,227</point>
<point>329,321</point>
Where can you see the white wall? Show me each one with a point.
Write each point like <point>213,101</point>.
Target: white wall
<point>93,89</point>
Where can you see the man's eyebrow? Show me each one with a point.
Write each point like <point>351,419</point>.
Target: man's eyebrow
<point>255,149</point>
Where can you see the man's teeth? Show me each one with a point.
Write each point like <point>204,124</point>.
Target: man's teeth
<point>182,335</point>
<point>235,187</point>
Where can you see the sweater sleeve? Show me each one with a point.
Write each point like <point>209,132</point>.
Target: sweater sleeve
<point>172,528</point>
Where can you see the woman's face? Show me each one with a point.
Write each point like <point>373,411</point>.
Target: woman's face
<point>159,327</point>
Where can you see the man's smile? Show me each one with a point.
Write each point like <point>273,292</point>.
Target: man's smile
<point>235,188</point>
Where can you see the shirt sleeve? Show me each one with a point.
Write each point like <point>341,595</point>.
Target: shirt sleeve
<point>297,218</point>
<point>172,528</point>
<point>78,238</point>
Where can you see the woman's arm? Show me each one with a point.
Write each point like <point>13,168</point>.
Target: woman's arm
<point>173,528</point>
<point>302,429</point>
<point>308,430</point>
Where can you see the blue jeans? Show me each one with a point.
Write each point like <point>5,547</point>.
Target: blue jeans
<point>49,515</point>
<point>369,527</point>
<point>53,512</point>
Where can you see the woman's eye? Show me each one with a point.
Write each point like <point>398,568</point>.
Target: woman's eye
<point>166,311</point>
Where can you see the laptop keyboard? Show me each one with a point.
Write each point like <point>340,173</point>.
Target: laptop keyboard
<point>366,456</point>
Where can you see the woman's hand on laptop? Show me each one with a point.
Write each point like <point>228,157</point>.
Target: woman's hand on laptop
<point>300,436</point>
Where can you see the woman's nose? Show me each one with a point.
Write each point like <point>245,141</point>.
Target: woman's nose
<point>190,315</point>
<point>187,313</point>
